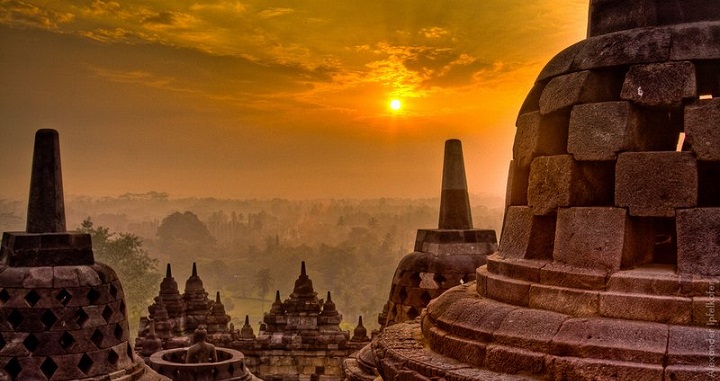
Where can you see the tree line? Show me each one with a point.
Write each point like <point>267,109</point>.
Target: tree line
<point>248,249</point>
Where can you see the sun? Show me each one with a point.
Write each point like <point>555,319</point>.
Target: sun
<point>395,104</point>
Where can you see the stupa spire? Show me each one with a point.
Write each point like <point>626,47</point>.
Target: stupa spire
<point>454,200</point>
<point>168,271</point>
<point>46,205</point>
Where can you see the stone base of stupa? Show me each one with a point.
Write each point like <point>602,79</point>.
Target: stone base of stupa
<point>639,324</point>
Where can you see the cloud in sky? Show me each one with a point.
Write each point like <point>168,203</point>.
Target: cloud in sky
<point>248,99</point>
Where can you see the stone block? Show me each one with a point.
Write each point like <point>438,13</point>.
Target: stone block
<point>529,329</point>
<point>47,249</point>
<point>105,272</point>
<point>12,276</point>
<point>532,100</point>
<point>598,131</point>
<point>577,369</point>
<point>514,360</point>
<point>565,300</point>
<point>38,277</point>
<point>701,285</point>
<point>31,368</point>
<point>607,16</point>
<point>698,241</point>
<point>695,41</point>
<point>87,276</point>
<point>523,269</point>
<point>692,372</point>
<point>701,132</point>
<point>562,275</point>
<point>481,275</point>
<point>565,91</point>
<point>690,345</point>
<point>656,280</point>
<point>595,237</point>
<point>664,84</point>
<point>627,47</point>
<point>481,319</point>
<point>665,309</point>
<point>48,344</point>
<point>562,62</point>
<point>462,349</point>
<point>611,339</point>
<point>654,184</point>
<point>451,314</point>
<point>65,276</point>
<point>438,306</point>
<point>14,344</point>
<point>507,290</point>
<point>526,235</point>
<point>559,181</point>
<point>706,310</point>
<point>434,337</point>
<point>538,135</point>
<point>451,242</point>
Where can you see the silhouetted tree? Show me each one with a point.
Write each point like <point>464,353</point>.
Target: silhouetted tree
<point>135,268</point>
<point>184,226</point>
<point>184,237</point>
<point>263,282</point>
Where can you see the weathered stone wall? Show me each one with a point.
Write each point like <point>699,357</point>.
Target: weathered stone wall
<point>296,365</point>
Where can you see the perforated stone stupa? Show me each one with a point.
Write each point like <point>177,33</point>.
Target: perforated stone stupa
<point>609,261</point>
<point>444,257</point>
<point>62,314</point>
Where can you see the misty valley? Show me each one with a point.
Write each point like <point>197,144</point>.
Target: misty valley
<point>248,249</point>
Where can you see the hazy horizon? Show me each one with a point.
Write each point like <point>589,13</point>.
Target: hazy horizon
<point>242,100</point>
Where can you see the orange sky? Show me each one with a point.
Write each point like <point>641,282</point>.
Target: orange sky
<point>288,98</point>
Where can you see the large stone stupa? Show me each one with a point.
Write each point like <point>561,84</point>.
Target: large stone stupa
<point>62,314</point>
<point>609,261</point>
<point>444,257</point>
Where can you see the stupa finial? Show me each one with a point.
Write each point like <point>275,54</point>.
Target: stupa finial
<point>454,200</point>
<point>46,205</point>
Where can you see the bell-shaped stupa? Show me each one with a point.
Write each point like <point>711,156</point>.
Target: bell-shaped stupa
<point>609,260</point>
<point>444,257</point>
<point>62,314</point>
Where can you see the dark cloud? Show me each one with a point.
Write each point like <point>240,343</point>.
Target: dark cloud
<point>162,18</point>
<point>22,13</point>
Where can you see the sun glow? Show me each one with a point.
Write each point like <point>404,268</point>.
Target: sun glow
<point>395,104</point>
